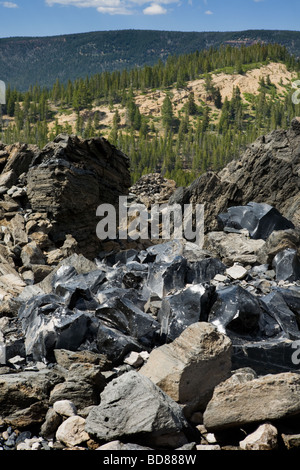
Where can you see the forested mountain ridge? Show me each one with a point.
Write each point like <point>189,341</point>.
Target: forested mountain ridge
<point>192,113</point>
<point>26,61</point>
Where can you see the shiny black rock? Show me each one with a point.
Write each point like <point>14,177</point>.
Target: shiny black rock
<point>258,218</point>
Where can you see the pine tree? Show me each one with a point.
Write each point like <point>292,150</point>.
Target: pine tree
<point>137,120</point>
<point>116,119</point>
<point>218,98</point>
<point>191,105</point>
<point>205,120</point>
<point>96,120</point>
<point>167,113</point>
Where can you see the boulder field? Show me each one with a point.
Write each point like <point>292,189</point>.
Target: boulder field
<point>143,345</point>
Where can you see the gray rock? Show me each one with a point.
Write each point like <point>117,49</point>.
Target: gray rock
<point>20,158</point>
<point>24,396</point>
<point>208,447</point>
<point>17,228</point>
<point>267,398</point>
<point>67,358</point>
<point>134,359</point>
<point>83,385</point>
<point>183,368</point>
<point>291,441</point>
<point>51,423</point>
<point>133,407</point>
<point>236,272</point>
<point>118,445</point>
<point>233,247</point>
<point>242,375</point>
<point>32,254</point>
<point>276,242</point>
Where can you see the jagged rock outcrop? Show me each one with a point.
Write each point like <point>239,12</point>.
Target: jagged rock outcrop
<point>48,203</point>
<point>55,191</point>
<point>268,172</point>
<point>69,179</point>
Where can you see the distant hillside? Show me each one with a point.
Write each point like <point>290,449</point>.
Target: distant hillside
<point>195,112</point>
<point>25,61</point>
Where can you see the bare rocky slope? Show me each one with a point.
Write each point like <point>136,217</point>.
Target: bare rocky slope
<point>267,172</point>
<point>149,346</point>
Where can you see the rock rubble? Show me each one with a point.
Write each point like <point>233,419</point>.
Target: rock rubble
<point>161,347</point>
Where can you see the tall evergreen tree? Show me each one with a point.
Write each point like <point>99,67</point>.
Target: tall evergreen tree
<point>167,112</point>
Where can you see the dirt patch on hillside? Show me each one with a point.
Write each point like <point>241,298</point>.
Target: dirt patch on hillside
<point>150,104</point>
<point>248,83</point>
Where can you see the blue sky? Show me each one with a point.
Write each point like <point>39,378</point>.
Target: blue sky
<point>52,17</point>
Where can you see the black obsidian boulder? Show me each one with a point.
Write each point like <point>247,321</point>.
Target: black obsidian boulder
<point>115,344</point>
<point>47,324</point>
<point>78,290</point>
<point>164,276</point>
<point>270,356</point>
<point>292,299</point>
<point>258,218</point>
<point>204,270</point>
<point>184,307</point>
<point>123,315</point>
<point>287,265</point>
<point>279,309</point>
<point>236,311</point>
<point>122,257</point>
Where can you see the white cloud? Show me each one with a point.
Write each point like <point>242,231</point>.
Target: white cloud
<point>114,10</point>
<point>209,12</point>
<point>86,3</point>
<point>154,9</point>
<point>117,7</point>
<point>9,5</point>
<point>111,7</point>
